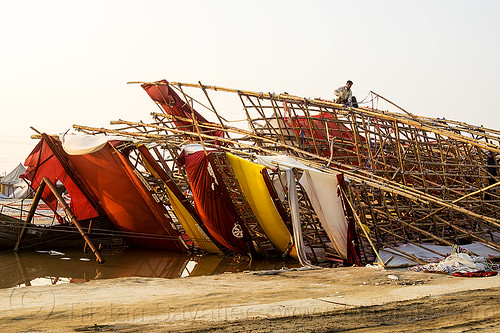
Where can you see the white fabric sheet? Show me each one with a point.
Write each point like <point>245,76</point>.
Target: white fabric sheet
<point>281,161</point>
<point>293,201</point>
<point>193,148</point>
<point>81,144</point>
<point>328,208</point>
<point>458,262</point>
<point>20,192</point>
<point>322,191</point>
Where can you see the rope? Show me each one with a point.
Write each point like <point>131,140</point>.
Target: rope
<point>363,101</point>
<point>103,232</point>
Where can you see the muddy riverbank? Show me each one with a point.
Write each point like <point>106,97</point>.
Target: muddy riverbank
<point>315,300</point>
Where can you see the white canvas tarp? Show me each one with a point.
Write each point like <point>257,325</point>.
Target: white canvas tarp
<point>13,177</point>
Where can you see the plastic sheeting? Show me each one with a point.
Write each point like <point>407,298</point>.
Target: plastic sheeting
<point>480,249</point>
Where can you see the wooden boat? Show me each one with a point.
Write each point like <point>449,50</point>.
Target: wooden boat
<point>56,236</point>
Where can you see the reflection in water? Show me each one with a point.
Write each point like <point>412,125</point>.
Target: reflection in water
<point>42,268</point>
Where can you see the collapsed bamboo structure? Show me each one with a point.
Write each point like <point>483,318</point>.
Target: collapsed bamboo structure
<point>410,179</point>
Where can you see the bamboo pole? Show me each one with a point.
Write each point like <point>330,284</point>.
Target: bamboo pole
<point>30,215</point>
<point>73,219</point>
<point>211,104</point>
<point>362,228</point>
<point>469,233</point>
<point>459,199</point>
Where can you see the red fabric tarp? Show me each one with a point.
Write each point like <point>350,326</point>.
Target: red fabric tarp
<point>128,203</point>
<point>215,209</point>
<point>302,128</point>
<point>172,104</point>
<point>475,274</point>
<point>110,179</point>
<point>43,163</point>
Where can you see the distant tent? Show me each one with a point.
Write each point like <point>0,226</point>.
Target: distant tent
<point>12,186</point>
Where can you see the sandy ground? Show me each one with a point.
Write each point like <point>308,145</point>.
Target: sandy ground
<point>325,300</point>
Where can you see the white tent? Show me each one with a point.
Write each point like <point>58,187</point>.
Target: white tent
<point>12,186</point>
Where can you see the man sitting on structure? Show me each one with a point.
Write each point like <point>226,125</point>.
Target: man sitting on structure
<point>344,95</point>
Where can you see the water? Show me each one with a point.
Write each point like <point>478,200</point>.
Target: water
<point>44,268</point>
<point>31,268</point>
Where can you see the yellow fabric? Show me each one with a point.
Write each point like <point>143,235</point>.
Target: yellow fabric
<point>191,227</point>
<point>254,187</point>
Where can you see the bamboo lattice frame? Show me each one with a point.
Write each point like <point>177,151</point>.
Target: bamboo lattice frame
<point>411,178</point>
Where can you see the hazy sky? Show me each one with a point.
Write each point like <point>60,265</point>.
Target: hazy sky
<point>68,62</point>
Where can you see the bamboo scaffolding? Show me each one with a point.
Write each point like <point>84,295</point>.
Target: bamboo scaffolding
<point>411,178</point>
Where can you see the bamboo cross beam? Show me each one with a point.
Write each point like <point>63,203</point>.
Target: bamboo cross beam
<point>428,234</point>
<point>411,242</point>
<point>218,127</point>
<point>459,199</point>
<point>468,233</point>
